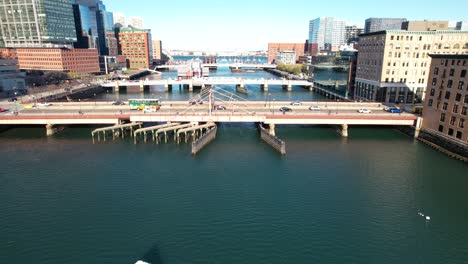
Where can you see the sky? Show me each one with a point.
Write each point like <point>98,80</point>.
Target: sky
<point>247,25</point>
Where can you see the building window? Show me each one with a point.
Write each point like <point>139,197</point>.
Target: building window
<point>452,71</point>
<point>453,120</point>
<point>458,97</point>
<point>436,70</point>
<point>444,106</point>
<point>461,123</point>
<point>447,95</point>
<point>463,112</point>
<point>441,128</point>
<point>455,109</point>
<point>459,134</point>
<point>450,132</point>
<point>449,84</point>
<point>463,73</point>
<point>434,81</point>
<point>442,117</point>
<point>430,102</point>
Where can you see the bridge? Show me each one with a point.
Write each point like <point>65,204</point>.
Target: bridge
<point>231,65</point>
<point>341,114</point>
<point>210,81</point>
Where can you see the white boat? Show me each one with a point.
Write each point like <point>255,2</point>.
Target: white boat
<point>141,262</point>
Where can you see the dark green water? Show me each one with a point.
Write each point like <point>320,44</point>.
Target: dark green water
<point>329,200</point>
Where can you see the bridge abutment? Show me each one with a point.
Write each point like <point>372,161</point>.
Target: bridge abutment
<point>271,129</point>
<point>52,129</point>
<point>417,128</point>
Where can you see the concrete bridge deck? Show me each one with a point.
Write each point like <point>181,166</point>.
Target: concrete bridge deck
<point>209,81</point>
<point>266,112</point>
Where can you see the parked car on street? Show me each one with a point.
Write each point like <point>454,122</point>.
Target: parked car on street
<point>118,103</point>
<point>296,103</point>
<point>13,99</point>
<point>3,110</point>
<point>44,104</point>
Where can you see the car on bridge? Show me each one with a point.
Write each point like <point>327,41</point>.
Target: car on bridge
<point>3,110</point>
<point>219,107</point>
<point>285,109</point>
<point>393,110</point>
<point>44,104</point>
<point>150,110</point>
<point>314,108</point>
<point>364,111</point>
<point>118,103</point>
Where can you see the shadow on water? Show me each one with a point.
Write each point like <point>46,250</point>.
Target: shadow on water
<point>152,255</point>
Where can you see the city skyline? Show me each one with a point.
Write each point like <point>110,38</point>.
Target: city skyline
<point>251,25</point>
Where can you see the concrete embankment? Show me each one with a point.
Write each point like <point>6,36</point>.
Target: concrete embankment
<point>272,140</point>
<point>450,147</point>
<point>204,140</point>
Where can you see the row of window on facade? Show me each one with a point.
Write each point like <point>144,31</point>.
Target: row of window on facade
<point>450,132</point>
<point>444,74</point>
<point>455,108</point>
<point>458,98</point>
<point>405,64</point>
<point>453,120</point>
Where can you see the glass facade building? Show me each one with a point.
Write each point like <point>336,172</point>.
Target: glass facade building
<point>36,23</point>
<point>379,24</point>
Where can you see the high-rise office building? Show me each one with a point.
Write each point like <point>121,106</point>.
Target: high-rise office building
<point>393,65</point>
<point>375,24</point>
<point>41,35</point>
<point>99,23</point>
<point>327,32</point>
<point>44,23</point>
<point>446,105</point>
<point>135,21</point>
<point>119,20</point>
<point>136,45</point>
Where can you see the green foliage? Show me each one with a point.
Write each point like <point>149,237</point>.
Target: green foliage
<point>294,69</point>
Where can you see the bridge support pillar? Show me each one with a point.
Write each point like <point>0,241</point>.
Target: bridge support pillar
<point>265,86</point>
<point>272,129</point>
<point>142,86</point>
<point>190,86</point>
<point>52,130</point>
<point>418,127</point>
<point>344,130</point>
<point>116,87</point>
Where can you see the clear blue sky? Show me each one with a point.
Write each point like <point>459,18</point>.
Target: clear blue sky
<point>251,24</point>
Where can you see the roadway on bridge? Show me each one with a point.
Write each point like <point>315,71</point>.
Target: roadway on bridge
<point>183,107</point>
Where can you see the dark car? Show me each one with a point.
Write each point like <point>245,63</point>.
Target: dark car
<point>118,103</point>
<point>393,110</point>
<point>285,109</point>
<point>13,99</point>
<point>219,107</point>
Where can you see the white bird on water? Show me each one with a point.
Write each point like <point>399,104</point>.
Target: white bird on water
<point>427,217</point>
